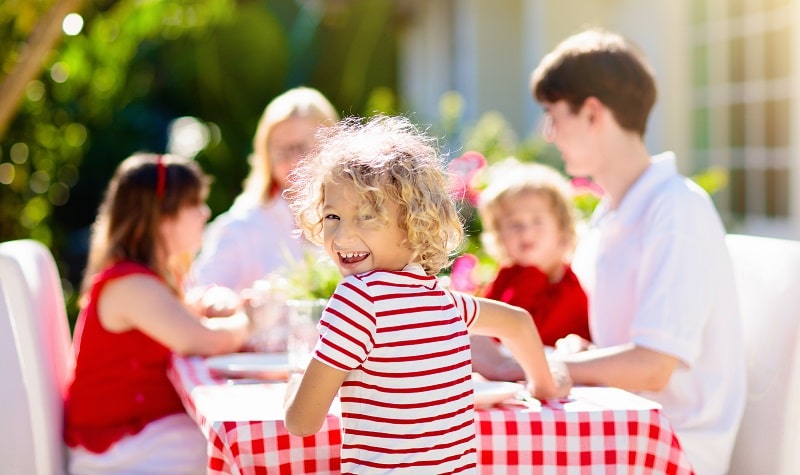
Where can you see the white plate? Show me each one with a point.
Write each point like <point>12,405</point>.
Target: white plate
<point>488,393</point>
<point>250,365</point>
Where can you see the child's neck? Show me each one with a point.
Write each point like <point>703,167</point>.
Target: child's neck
<point>555,274</point>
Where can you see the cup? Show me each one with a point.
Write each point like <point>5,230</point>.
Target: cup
<point>269,316</point>
<point>303,316</point>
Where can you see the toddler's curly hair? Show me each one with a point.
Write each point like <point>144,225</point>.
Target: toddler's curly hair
<point>386,159</point>
<point>511,179</point>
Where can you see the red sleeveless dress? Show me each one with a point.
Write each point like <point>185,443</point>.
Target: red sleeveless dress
<point>120,383</point>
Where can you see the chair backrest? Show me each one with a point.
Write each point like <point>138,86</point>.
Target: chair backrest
<point>34,309</point>
<point>14,404</point>
<point>767,273</point>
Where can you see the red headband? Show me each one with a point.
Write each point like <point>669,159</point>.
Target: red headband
<point>161,182</point>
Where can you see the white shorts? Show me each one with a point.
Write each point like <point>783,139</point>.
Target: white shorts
<point>171,445</point>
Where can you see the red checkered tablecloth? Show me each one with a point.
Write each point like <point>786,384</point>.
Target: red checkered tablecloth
<point>243,422</point>
<point>594,431</point>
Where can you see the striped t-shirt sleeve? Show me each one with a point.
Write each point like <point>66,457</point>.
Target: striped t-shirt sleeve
<point>467,305</point>
<point>347,326</point>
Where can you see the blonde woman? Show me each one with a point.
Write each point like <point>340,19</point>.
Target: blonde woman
<point>254,237</point>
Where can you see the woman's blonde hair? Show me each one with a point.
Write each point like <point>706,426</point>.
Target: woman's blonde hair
<point>145,189</point>
<point>386,159</point>
<point>303,102</point>
<point>510,179</point>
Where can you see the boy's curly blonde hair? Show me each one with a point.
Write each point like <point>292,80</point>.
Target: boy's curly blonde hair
<point>509,179</point>
<point>386,159</point>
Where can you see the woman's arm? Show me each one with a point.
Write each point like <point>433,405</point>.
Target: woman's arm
<point>308,404</point>
<point>144,303</point>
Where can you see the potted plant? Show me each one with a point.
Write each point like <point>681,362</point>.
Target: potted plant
<point>310,284</point>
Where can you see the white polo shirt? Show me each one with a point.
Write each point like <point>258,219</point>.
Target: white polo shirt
<point>658,274</point>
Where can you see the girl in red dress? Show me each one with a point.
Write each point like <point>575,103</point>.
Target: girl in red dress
<point>122,415</point>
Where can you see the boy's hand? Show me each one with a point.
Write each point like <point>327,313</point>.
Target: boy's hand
<point>560,375</point>
<point>561,382</point>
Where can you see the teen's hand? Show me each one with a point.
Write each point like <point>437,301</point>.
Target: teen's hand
<point>571,344</point>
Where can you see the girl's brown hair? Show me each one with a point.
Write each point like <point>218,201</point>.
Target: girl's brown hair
<point>144,189</point>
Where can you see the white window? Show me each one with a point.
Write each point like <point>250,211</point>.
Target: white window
<point>742,102</point>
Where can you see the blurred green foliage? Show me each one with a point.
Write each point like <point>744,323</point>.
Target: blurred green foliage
<point>313,277</point>
<point>137,65</point>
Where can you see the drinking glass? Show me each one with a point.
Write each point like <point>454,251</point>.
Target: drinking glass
<point>303,316</point>
<point>270,321</point>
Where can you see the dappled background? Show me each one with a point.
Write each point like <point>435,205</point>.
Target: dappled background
<point>193,76</point>
<point>185,76</point>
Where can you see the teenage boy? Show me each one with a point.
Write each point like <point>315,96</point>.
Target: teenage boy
<point>663,308</point>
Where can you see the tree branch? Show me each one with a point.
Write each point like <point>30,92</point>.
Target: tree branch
<point>43,38</point>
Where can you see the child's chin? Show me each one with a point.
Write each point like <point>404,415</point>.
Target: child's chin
<point>347,271</point>
<point>353,270</point>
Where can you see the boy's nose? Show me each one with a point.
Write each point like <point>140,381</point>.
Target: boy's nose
<point>343,235</point>
<point>549,129</point>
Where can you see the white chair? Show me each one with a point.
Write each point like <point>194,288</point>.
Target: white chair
<point>14,405</point>
<point>37,360</point>
<point>767,272</point>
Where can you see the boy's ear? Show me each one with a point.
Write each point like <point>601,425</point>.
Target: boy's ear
<point>593,108</point>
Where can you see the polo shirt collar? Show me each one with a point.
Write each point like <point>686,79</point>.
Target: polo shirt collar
<point>662,168</point>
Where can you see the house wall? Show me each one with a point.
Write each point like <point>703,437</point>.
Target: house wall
<point>426,57</point>
<point>486,50</point>
<point>794,203</point>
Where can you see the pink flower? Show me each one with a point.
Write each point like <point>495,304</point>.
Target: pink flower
<point>463,171</point>
<point>586,185</point>
<point>461,276</point>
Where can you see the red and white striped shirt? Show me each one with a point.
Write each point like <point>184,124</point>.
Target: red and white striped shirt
<point>407,402</point>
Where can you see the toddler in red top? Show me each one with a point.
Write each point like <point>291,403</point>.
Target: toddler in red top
<point>529,226</point>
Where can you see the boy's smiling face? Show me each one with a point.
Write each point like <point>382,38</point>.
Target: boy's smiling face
<point>359,244</point>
